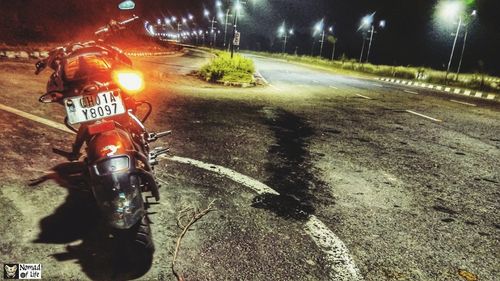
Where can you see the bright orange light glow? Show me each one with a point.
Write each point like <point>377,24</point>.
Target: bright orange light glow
<point>130,81</point>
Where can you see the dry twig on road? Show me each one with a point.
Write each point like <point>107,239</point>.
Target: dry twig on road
<point>195,216</point>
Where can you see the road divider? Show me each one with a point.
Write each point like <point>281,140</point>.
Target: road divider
<point>446,89</point>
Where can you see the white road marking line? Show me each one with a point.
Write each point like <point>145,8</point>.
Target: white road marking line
<point>249,182</point>
<point>333,87</point>
<point>341,264</point>
<point>424,116</point>
<point>274,87</point>
<point>35,118</point>
<point>462,102</point>
<point>490,97</point>
<point>365,97</point>
<point>478,95</point>
<point>410,92</point>
<point>378,85</point>
<point>261,76</point>
<point>342,267</point>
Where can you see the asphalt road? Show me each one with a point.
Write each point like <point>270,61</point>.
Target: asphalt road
<point>406,197</point>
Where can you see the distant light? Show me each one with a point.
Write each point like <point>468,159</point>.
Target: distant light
<point>474,13</point>
<point>330,29</point>
<point>281,30</point>
<point>190,17</point>
<point>238,6</point>
<point>291,32</point>
<point>319,26</point>
<point>367,20</point>
<point>382,23</point>
<point>206,13</point>
<point>126,5</point>
<point>167,21</point>
<point>218,3</point>
<point>174,19</point>
<point>184,20</point>
<point>450,10</point>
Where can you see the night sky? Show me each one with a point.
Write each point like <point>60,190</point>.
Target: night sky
<point>412,36</point>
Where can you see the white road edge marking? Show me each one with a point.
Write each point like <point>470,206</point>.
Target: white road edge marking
<point>424,116</point>
<point>378,85</point>
<point>365,97</point>
<point>462,102</point>
<point>342,267</point>
<point>35,118</point>
<point>261,76</point>
<point>410,92</point>
<point>333,87</point>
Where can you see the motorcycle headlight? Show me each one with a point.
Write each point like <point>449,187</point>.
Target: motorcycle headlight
<point>131,81</point>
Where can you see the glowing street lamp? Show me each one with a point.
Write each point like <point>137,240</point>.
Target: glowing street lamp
<point>368,27</point>
<point>450,11</point>
<point>319,27</point>
<point>206,13</point>
<point>283,33</point>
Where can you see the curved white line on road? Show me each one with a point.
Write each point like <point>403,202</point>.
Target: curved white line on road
<point>342,266</point>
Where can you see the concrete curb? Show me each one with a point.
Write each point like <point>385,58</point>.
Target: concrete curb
<point>8,54</point>
<point>446,89</point>
<point>236,84</point>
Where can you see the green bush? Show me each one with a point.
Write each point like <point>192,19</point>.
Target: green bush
<point>224,69</point>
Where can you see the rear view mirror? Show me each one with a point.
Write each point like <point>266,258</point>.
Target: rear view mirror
<point>50,97</point>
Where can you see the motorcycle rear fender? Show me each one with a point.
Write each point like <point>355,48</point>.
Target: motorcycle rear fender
<point>116,179</point>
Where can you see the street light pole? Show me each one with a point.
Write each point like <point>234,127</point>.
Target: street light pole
<point>234,29</point>
<point>333,50</point>
<point>370,44</point>
<point>212,32</point>
<point>453,50</point>
<point>225,27</point>
<point>322,41</point>
<point>362,50</point>
<point>463,49</point>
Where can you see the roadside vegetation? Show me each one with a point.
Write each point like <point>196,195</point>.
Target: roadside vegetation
<point>475,81</point>
<point>225,69</point>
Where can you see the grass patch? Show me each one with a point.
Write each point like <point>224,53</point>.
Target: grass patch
<point>223,68</point>
<point>476,81</point>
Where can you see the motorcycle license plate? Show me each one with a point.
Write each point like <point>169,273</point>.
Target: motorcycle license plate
<point>92,107</point>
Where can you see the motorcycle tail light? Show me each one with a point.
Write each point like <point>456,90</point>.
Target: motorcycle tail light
<point>130,81</point>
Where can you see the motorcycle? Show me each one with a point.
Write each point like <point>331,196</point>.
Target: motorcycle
<point>98,87</point>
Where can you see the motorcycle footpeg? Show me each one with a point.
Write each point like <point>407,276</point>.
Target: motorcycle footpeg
<point>158,151</point>
<point>154,136</point>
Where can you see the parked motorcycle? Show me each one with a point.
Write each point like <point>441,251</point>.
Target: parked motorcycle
<point>99,89</point>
